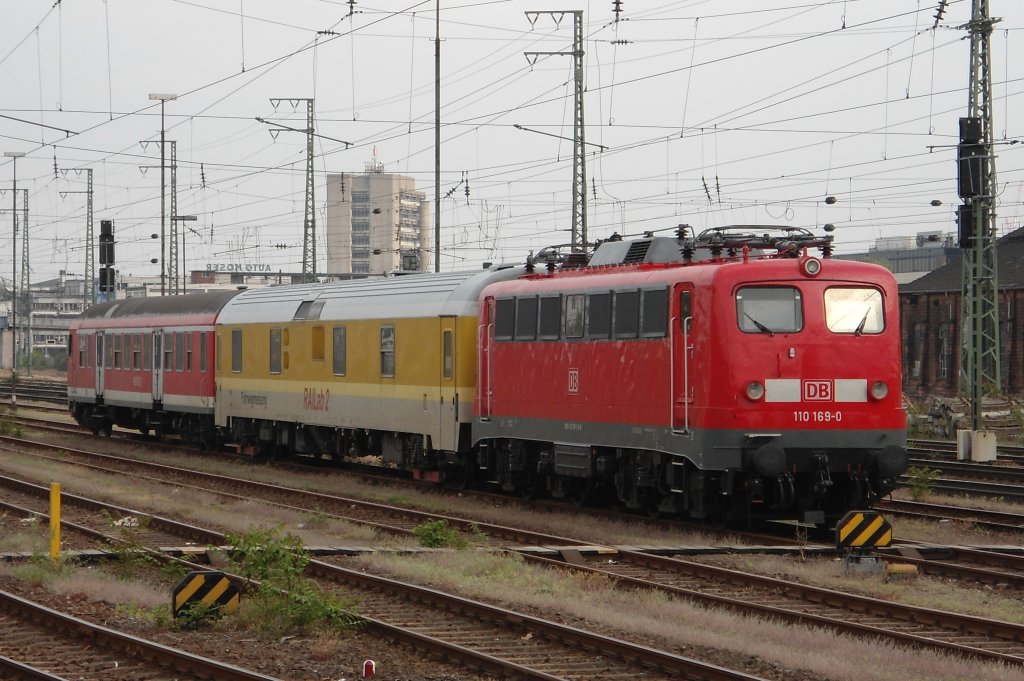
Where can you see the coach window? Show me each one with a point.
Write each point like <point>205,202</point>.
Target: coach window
<point>504,318</point>
<point>338,350</point>
<point>854,310</point>
<point>189,340</point>
<point>654,313</point>
<point>275,351</point>
<point>137,352</point>
<point>447,369</point>
<point>117,351</point>
<point>526,318</point>
<point>82,346</point>
<point>387,351</point>
<point>627,314</point>
<point>550,317</point>
<point>202,351</point>
<point>179,351</point>
<point>574,315</point>
<point>169,352</point>
<point>599,315</point>
<point>317,351</point>
<point>147,351</point>
<point>236,350</point>
<point>774,309</point>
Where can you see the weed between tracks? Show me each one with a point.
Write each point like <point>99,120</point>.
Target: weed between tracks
<point>676,624</point>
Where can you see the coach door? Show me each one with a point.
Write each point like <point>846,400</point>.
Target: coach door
<point>681,330</point>
<point>158,366</point>
<point>449,431</point>
<point>98,363</point>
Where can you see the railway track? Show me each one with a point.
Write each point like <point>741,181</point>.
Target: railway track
<point>40,390</point>
<point>34,638</point>
<point>483,637</point>
<point>738,591</point>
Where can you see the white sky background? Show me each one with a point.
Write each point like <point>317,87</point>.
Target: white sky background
<point>773,104</point>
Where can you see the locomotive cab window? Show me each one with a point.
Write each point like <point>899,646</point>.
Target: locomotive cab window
<point>769,309</point>
<point>854,310</point>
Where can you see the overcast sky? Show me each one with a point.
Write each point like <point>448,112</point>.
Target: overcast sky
<point>705,112</point>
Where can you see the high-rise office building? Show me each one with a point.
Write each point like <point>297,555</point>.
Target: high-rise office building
<point>376,223</point>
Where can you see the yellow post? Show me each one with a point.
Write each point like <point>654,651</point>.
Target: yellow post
<point>55,521</point>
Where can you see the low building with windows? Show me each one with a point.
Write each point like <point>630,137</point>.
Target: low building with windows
<point>932,316</point>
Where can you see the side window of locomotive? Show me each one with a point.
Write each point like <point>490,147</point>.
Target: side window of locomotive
<point>526,318</point>
<point>627,314</point>
<point>387,351</point>
<point>769,309</point>
<point>654,313</point>
<point>599,315</point>
<point>504,318</point>
<point>338,350</point>
<point>275,351</point>
<point>236,350</point>
<point>574,306</point>
<point>550,317</point>
<point>317,353</point>
<point>854,310</point>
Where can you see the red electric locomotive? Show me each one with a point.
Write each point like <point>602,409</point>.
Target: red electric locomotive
<point>147,364</point>
<point>759,382</point>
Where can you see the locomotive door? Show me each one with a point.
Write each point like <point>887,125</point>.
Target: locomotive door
<point>484,338</point>
<point>681,331</point>
<point>158,366</point>
<point>98,363</point>
<point>449,426</point>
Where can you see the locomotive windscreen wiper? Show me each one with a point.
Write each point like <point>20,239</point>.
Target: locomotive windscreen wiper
<point>864,320</point>
<point>760,327</point>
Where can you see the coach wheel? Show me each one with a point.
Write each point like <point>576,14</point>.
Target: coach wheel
<point>580,495</point>
<point>531,490</point>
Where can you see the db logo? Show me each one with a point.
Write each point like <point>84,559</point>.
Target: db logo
<point>818,391</point>
<point>574,381</point>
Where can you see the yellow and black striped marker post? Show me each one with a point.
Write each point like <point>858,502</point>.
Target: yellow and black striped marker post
<point>863,530</point>
<point>210,589</point>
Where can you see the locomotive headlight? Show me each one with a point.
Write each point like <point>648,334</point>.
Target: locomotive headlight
<point>755,390</point>
<point>811,267</point>
<point>879,390</point>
